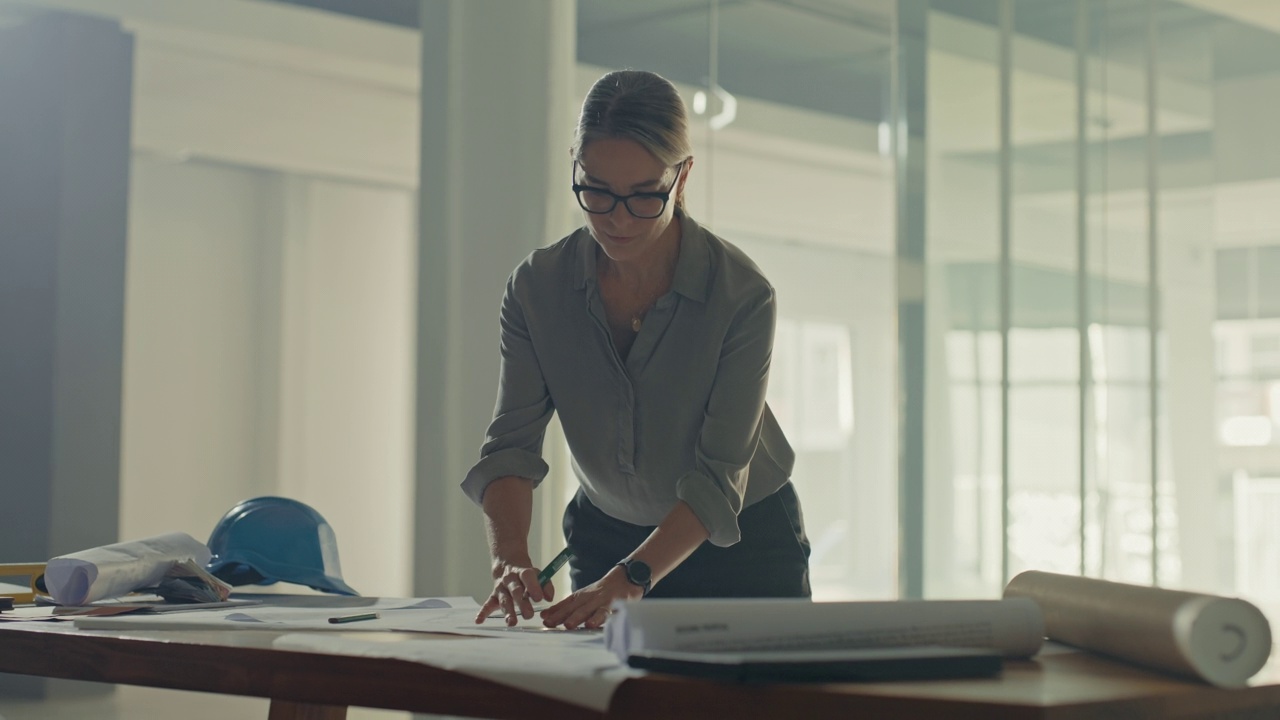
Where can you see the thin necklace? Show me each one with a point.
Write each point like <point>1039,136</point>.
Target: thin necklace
<point>637,320</point>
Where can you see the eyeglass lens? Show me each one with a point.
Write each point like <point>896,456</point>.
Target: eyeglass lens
<point>644,206</point>
<point>641,205</point>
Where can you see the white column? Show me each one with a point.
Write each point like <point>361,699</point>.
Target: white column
<point>1187,313</point>
<point>496,126</point>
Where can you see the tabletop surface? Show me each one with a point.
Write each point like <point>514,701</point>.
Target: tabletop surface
<point>1058,683</point>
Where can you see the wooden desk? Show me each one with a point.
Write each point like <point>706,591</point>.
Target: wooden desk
<point>314,686</point>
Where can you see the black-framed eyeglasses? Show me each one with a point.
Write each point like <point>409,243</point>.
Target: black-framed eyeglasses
<point>644,205</point>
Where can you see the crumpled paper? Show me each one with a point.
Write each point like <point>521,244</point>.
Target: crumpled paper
<point>187,582</point>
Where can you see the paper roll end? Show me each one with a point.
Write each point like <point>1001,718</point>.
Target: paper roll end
<point>1226,640</point>
<point>69,581</point>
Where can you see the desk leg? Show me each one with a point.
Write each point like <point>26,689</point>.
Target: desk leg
<point>284,710</point>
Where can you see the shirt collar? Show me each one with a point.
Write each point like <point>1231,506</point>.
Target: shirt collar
<point>693,267</point>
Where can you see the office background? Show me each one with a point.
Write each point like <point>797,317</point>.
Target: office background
<point>1025,253</point>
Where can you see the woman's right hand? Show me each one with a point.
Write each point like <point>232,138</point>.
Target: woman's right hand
<point>515,590</point>
<point>508,507</point>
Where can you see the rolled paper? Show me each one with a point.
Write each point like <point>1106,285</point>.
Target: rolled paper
<point>1221,640</point>
<point>110,570</point>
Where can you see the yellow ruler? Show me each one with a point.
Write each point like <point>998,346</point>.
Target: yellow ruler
<point>30,571</point>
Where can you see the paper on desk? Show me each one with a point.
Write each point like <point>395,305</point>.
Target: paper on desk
<point>31,613</point>
<point>571,666</point>
<point>568,665</point>
<point>1013,626</point>
<point>449,615</point>
<point>83,577</point>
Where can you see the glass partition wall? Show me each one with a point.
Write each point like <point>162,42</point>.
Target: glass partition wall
<point>1096,223</point>
<point>1022,252</point>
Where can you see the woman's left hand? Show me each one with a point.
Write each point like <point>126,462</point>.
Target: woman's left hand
<point>589,607</point>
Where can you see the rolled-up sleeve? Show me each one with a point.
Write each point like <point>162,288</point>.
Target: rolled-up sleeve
<point>513,443</point>
<point>715,487</point>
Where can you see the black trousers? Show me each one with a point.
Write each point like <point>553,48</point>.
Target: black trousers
<point>771,560</point>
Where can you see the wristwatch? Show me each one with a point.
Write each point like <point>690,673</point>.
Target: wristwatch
<point>637,573</point>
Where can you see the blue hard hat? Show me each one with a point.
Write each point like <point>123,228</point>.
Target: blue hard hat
<point>269,539</point>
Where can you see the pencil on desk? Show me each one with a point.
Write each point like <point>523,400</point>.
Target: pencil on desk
<point>353,618</point>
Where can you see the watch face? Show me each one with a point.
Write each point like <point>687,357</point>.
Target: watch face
<point>638,572</point>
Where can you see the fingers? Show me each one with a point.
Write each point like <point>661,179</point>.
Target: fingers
<point>507,603</point>
<point>552,616</point>
<point>525,591</point>
<point>489,606</point>
<point>598,618</point>
<point>515,592</point>
<point>584,614</point>
<point>529,581</point>
<point>579,610</point>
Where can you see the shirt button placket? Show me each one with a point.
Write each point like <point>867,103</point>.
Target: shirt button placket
<point>626,430</point>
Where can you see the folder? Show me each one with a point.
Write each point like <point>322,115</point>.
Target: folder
<point>857,665</point>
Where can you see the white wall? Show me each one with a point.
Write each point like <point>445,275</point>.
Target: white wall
<point>269,351</point>
<point>271,274</point>
<point>346,401</point>
<point>202,95</point>
<point>194,298</point>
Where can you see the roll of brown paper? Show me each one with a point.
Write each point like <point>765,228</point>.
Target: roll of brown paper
<point>1221,640</point>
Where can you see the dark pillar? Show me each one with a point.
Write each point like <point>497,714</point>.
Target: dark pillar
<point>65,97</point>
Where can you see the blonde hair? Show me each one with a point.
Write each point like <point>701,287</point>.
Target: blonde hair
<point>640,106</point>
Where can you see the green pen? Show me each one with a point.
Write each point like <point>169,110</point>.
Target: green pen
<point>554,566</point>
<point>353,618</point>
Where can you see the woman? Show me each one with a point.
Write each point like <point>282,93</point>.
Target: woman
<point>652,339</point>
